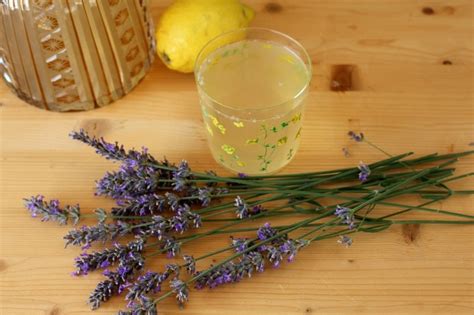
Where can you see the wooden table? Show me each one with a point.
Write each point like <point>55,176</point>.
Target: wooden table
<point>406,68</point>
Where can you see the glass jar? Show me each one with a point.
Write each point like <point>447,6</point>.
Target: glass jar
<point>65,55</point>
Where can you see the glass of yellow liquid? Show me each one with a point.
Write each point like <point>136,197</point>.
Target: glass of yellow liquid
<point>252,86</point>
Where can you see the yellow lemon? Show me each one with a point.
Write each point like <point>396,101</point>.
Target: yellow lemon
<point>187,25</point>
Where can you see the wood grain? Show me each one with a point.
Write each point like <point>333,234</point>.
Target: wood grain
<point>411,89</point>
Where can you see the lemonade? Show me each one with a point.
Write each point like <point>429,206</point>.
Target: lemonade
<point>252,94</point>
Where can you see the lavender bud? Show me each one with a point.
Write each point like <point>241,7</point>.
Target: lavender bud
<point>356,137</point>
<point>116,280</point>
<point>181,290</point>
<point>144,306</point>
<point>149,282</point>
<point>266,232</point>
<point>101,232</point>
<point>240,244</point>
<point>242,210</point>
<point>172,247</point>
<point>364,172</point>
<point>101,215</point>
<point>345,240</point>
<point>51,211</point>
<point>190,264</point>
<point>346,215</point>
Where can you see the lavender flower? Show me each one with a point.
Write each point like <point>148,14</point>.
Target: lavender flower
<point>204,195</point>
<point>274,255</point>
<point>266,232</point>
<point>240,244</point>
<point>190,264</point>
<point>181,290</point>
<point>172,247</point>
<point>103,259</point>
<point>101,232</point>
<point>257,209</point>
<point>346,215</point>
<point>181,176</point>
<point>232,271</point>
<point>356,137</point>
<point>128,182</point>
<point>173,200</point>
<point>345,240</point>
<point>242,209</point>
<point>148,204</point>
<point>364,172</point>
<point>160,226</point>
<point>149,282</point>
<point>116,281</point>
<point>145,306</point>
<point>51,211</point>
<point>101,215</point>
<point>114,151</point>
<point>290,247</point>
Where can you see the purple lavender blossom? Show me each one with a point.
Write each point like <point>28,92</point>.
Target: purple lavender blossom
<point>346,215</point>
<point>116,280</point>
<point>181,290</point>
<point>356,137</point>
<point>364,172</point>
<point>172,247</point>
<point>51,211</point>
<point>232,271</point>
<point>149,282</point>
<point>291,247</point>
<point>128,182</point>
<point>274,255</point>
<point>160,227</point>
<point>103,259</point>
<point>242,175</point>
<point>242,209</point>
<point>181,175</point>
<point>204,195</point>
<point>345,240</point>
<point>257,209</point>
<point>266,232</point>
<point>144,306</point>
<point>190,264</point>
<point>114,151</point>
<point>148,204</point>
<point>240,244</point>
<point>173,200</point>
<point>100,232</point>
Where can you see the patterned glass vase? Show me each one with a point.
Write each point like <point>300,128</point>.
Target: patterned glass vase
<point>68,55</point>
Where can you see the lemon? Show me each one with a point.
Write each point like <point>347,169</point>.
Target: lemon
<point>187,25</point>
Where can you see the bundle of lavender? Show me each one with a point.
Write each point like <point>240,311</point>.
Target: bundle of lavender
<point>165,208</point>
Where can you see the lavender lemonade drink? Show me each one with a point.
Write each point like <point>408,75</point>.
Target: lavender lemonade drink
<point>252,92</point>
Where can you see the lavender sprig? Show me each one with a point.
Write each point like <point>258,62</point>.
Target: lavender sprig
<point>345,240</point>
<point>364,172</point>
<point>143,205</point>
<point>357,137</point>
<point>117,281</point>
<point>86,235</point>
<point>181,290</point>
<point>86,263</point>
<point>346,215</point>
<point>51,211</point>
<point>113,151</point>
<point>144,306</point>
<point>243,210</point>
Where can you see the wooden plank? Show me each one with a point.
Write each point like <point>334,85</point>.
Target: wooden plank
<point>410,65</point>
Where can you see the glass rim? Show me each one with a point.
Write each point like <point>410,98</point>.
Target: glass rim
<point>307,62</point>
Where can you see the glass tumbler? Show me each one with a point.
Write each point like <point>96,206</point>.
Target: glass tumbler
<point>252,86</point>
